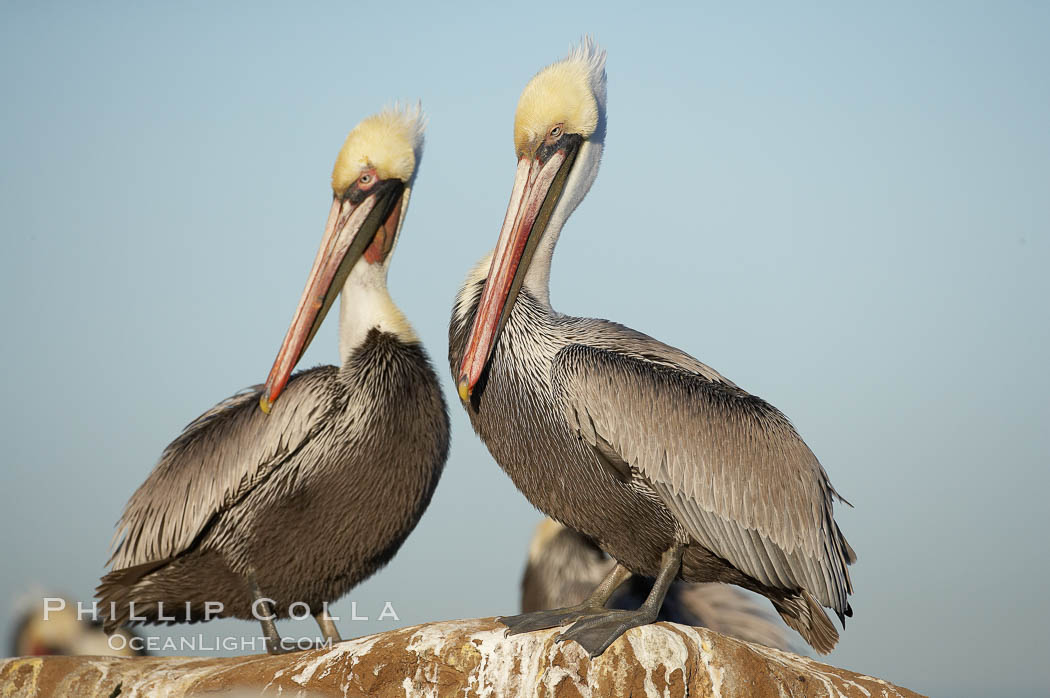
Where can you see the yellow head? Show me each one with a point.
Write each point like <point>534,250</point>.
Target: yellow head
<point>390,142</point>
<point>569,95</point>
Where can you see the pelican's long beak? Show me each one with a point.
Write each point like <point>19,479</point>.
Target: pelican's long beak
<point>351,230</point>
<point>538,185</point>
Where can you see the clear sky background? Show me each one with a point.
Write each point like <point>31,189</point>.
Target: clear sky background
<point>841,207</point>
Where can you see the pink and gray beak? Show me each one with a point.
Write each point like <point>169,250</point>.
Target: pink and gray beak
<point>538,185</point>
<point>358,225</point>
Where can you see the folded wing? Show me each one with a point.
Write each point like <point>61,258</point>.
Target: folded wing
<point>217,460</point>
<point>729,465</point>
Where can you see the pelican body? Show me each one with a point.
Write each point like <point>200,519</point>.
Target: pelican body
<point>665,464</point>
<point>565,566</point>
<point>262,503</point>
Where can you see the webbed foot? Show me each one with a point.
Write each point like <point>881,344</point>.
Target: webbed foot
<point>596,633</point>
<point>541,620</point>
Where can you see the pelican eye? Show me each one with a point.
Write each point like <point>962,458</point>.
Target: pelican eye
<point>555,132</point>
<point>366,179</point>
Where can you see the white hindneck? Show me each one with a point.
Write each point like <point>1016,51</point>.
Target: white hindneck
<point>584,170</point>
<point>365,303</point>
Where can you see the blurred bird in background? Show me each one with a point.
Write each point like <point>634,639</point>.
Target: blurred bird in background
<point>564,567</point>
<point>41,631</point>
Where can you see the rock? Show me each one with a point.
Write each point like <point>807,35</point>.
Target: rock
<point>463,658</point>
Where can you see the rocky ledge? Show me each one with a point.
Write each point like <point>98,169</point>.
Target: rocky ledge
<point>461,658</point>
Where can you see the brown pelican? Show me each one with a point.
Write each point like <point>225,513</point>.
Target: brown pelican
<point>669,467</point>
<point>565,566</point>
<point>297,502</point>
<point>43,630</point>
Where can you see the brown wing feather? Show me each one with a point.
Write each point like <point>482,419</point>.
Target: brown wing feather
<point>218,458</point>
<point>728,464</point>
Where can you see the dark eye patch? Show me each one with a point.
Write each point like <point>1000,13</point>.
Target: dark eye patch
<point>567,140</point>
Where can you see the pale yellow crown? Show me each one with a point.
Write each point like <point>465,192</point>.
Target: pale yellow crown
<point>390,141</point>
<point>570,92</point>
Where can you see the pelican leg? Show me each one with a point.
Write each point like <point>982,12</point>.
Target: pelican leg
<point>593,605</point>
<point>327,625</point>
<point>597,632</point>
<point>274,644</point>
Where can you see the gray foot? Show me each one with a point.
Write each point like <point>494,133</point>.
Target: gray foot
<point>597,632</point>
<point>541,620</point>
<point>278,647</point>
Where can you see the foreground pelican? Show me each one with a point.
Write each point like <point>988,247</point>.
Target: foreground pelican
<point>565,566</point>
<point>670,468</point>
<point>297,502</point>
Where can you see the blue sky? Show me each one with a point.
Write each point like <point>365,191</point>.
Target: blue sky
<point>841,207</point>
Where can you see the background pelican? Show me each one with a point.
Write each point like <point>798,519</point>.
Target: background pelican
<point>668,466</point>
<point>305,501</point>
<point>565,566</point>
<point>42,630</point>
